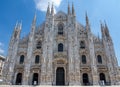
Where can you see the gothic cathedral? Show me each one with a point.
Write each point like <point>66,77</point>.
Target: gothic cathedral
<point>61,51</point>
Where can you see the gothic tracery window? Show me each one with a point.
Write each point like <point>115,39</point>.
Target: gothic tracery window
<point>82,44</point>
<point>99,58</point>
<point>60,29</point>
<point>21,59</point>
<point>39,44</point>
<point>83,59</point>
<point>60,47</point>
<point>37,59</point>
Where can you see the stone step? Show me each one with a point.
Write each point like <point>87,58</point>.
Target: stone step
<point>52,86</point>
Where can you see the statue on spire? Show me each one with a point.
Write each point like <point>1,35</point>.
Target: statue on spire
<point>73,10</point>
<point>69,12</point>
<point>34,19</point>
<point>87,23</point>
<point>52,9</point>
<point>48,9</point>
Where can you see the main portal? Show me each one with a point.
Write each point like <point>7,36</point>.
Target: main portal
<point>60,76</point>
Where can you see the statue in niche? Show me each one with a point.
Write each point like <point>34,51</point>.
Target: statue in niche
<point>15,34</point>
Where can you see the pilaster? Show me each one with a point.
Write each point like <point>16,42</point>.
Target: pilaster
<point>11,57</point>
<point>47,65</point>
<point>93,60</point>
<point>71,57</point>
<point>76,56</point>
<point>26,75</point>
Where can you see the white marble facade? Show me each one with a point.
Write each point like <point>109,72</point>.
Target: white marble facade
<point>2,59</point>
<point>61,51</point>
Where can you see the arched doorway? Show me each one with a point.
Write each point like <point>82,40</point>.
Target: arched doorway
<point>19,79</point>
<point>85,79</point>
<point>102,77</point>
<point>60,76</point>
<point>35,79</point>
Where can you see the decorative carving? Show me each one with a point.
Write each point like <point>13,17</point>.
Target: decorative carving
<point>60,55</point>
<point>43,78</point>
<point>60,62</point>
<point>22,51</point>
<point>19,66</point>
<point>16,33</point>
<point>61,37</point>
<point>60,16</point>
<point>102,68</point>
<point>36,66</point>
<point>39,51</point>
<point>83,51</point>
<point>86,68</point>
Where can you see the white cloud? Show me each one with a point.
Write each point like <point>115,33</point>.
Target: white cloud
<point>43,4</point>
<point>1,50</point>
<point>1,44</point>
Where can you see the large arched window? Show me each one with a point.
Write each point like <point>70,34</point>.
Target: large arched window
<point>19,79</point>
<point>37,59</point>
<point>99,58</point>
<point>60,47</point>
<point>85,79</point>
<point>60,29</point>
<point>39,44</point>
<point>82,44</point>
<point>84,59</point>
<point>21,59</point>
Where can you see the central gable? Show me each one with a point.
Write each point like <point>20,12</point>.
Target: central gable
<point>60,16</point>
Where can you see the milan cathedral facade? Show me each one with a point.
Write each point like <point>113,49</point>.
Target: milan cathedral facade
<point>61,51</point>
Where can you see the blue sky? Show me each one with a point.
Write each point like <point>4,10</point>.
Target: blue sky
<point>12,11</point>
